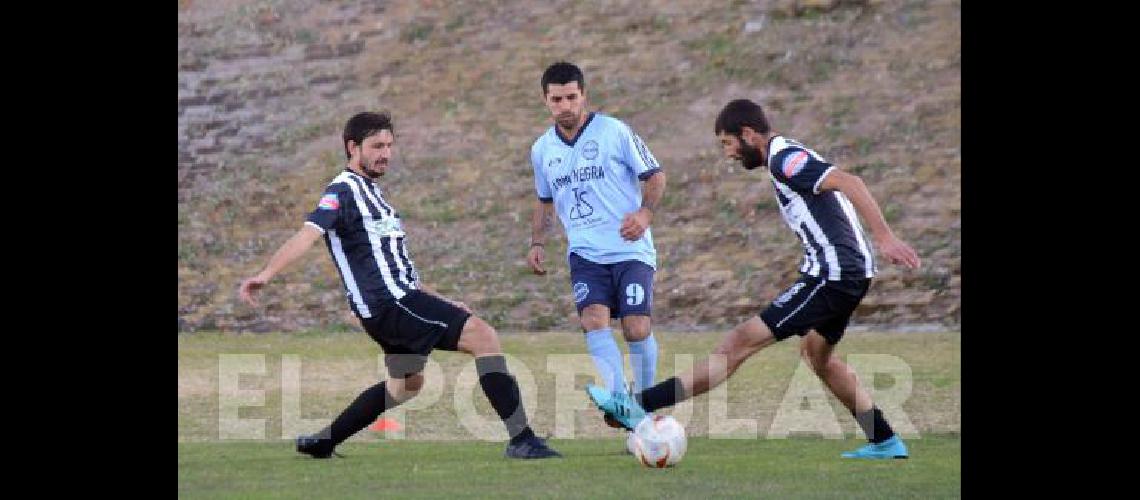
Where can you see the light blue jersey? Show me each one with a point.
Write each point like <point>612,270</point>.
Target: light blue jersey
<point>594,180</point>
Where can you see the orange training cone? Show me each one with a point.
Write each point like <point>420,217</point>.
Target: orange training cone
<point>385,424</point>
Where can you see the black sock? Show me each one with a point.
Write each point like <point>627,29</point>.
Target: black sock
<point>874,425</point>
<point>662,395</point>
<point>363,411</point>
<point>503,393</point>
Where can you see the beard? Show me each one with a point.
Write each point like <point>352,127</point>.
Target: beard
<point>568,121</point>
<point>371,172</point>
<point>751,157</point>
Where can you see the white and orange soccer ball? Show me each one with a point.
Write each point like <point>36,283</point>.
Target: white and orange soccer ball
<point>658,441</point>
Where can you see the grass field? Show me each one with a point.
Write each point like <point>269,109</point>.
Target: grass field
<point>298,382</point>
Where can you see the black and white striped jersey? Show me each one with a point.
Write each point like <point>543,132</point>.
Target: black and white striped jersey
<point>365,237</point>
<point>835,246</point>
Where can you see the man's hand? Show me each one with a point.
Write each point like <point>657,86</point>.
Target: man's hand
<point>898,252</point>
<point>633,225</point>
<point>535,258</point>
<point>290,251</point>
<point>249,288</point>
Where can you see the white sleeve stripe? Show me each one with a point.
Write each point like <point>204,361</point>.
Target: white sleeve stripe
<point>314,224</point>
<point>647,159</point>
<point>815,188</point>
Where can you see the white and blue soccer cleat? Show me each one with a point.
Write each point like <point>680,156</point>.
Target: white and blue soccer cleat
<point>617,405</point>
<point>891,448</point>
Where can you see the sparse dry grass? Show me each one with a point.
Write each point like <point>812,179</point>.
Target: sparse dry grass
<point>879,86</point>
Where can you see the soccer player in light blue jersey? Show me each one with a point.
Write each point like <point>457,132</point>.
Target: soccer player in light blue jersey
<point>605,185</point>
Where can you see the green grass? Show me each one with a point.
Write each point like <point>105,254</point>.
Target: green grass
<point>769,468</point>
<point>438,455</point>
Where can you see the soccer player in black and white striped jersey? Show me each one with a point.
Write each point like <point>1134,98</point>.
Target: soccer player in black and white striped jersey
<point>365,236</point>
<point>819,202</point>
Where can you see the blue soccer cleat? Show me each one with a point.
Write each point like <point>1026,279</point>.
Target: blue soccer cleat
<point>617,405</point>
<point>891,448</point>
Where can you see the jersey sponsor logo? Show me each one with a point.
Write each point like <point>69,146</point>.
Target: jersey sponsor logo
<point>328,202</point>
<point>580,291</point>
<point>795,162</point>
<point>581,208</point>
<point>384,225</point>
<point>787,295</point>
<point>590,150</point>
<point>579,175</point>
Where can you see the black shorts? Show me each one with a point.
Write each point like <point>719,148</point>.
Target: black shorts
<point>815,303</point>
<point>408,330</point>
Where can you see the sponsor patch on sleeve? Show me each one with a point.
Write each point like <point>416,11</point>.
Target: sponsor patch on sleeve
<point>328,202</point>
<point>794,162</point>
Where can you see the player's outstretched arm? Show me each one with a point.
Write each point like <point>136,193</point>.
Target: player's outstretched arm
<point>291,250</point>
<point>895,250</point>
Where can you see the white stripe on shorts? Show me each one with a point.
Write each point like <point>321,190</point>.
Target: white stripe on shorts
<point>425,320</point>
<point>802,304</point>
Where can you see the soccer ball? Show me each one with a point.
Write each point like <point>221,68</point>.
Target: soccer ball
<point>658,441</point>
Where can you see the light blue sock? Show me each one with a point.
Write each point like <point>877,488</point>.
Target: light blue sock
<point>643,359</point>
<point>607,358</point>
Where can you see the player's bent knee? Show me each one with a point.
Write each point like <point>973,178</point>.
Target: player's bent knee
<point>590,323</point>
<point>404,395</point>
<point>590,326</point>
<point>595,317</point>
<point>635,329</point>
<point>736,348</point>
<point>754,334</point>
<point>807,356</point>
<point>835,366</point>
<point>635,336</point>
<point>478,338</point>
<point>821,362</point>
<point>403,389</point>
<point>826,367</point>
<point>414,383</point>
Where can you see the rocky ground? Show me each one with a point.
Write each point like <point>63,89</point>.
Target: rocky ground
<point>264,88</point>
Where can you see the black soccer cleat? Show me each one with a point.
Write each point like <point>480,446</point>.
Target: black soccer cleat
<point>316,447</point>
<point>534,447</point>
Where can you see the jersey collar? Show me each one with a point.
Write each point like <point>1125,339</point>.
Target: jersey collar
<point>362,177</point>
<point>573,141</point>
